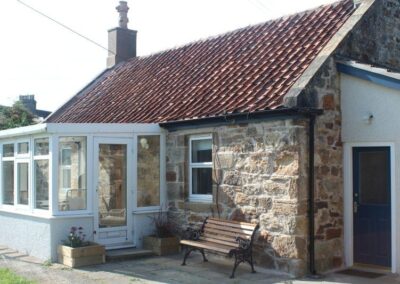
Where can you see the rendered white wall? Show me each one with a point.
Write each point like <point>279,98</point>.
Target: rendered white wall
<point>39,237</point>
<point>26,234</point>
<point>360,98</point>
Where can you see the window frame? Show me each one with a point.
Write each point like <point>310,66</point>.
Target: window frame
<point>56,175</point>
<point>33,173</point>
<point>207,198</point>
<point>7,159</point>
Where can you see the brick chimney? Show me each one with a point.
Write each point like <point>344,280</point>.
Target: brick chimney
<point>121,40</point>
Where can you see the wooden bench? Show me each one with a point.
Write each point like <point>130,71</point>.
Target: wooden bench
<point>224,237</point>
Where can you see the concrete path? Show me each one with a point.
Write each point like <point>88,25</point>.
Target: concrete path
<point>159,270</point>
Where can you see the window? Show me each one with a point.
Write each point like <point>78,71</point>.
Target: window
<point>8,174</point>
<point>148,170</point>
<point>23,148</point>
<point>23,183</point>
<point>41,173</point>
<point>8,182</point>
<point>72,193</point>
<point>200,169</point>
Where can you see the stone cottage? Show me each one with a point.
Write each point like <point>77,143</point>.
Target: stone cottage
<point>267,124</point>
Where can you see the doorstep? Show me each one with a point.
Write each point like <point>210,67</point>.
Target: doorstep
<point>127,254</point>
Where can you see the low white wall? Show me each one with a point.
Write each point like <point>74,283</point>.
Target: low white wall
<point>39,237</point>
<point>60,228</point>
<point>26,234</point>
<point>360,99</point>
<point>143,226</point>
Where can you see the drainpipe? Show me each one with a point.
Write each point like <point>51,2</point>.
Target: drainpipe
<point>311,188</point>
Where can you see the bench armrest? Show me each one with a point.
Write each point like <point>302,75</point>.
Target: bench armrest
<point>244,244</point>
<point>192,234</point>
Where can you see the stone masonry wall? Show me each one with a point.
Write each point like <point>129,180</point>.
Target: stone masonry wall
<point>324,91</point>
<point>264,180</point>
<point>376,39</point>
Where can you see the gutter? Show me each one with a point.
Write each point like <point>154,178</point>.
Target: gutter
<point>234,118</point>
<point>310,114</point>
<point>23,131</point>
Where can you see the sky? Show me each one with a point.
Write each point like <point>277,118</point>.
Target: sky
<point>39,57</point>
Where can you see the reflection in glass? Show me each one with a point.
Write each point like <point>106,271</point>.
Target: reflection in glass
<point>8,182</point>
<point>374,177</point>
<point>72,193</point>
<point>23,181</point>
<point>23,148</point>
<point>201,180</point>
<point>148,171</point>
<point>112,185</point>
<point>201,151</point>
<point>42,184</point>
<point>41,146</point>
<point>8,150</point>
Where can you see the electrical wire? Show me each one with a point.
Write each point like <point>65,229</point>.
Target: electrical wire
<point>65,26</point>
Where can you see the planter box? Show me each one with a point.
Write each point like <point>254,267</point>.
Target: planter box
<point>161,246</point>
<point>82,256</point>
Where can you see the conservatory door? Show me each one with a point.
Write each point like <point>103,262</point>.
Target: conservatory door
<point>112,168</point>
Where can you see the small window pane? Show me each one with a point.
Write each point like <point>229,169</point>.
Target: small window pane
<point>374,177</point>
<point>8,182</point>
<point>201,151</point>
<point>72,193</point>
<point>41,146</point>
<point>23,148</point>
<point>148,170</point>
<point>66,157</point>
<point>23,182</point>
<point>8,150</point>
<point>42,184</point>
<point>201,181</point>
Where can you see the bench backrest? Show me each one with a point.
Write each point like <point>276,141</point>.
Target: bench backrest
<point>225,232</point>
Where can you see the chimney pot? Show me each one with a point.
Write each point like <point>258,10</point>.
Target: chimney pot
<point>123,9</point>
<point>121,40</point>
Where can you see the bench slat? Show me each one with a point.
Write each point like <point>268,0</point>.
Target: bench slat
<point>207,245</point>
<point>228,229</point>
<point>219,237</point>
<point>212,240</point>
<point>225,233</point>
<point>240,225</point>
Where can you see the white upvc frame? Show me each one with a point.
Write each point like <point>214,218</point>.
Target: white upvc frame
<point>129,189</point>
<point>34,158</point>
<point>16,184</point>
<point>348,200</point>
<point>198,197</point>
<point>163,191</point>
<point>7,159</point>
<point>55,139</point>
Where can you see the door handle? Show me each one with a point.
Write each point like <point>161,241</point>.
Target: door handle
<point>355,207</point>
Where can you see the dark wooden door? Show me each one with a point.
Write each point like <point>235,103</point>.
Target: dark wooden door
<point>371,207</point>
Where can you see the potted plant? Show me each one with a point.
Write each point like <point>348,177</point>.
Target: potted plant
<point>162,242</point>
<point>76,251</point>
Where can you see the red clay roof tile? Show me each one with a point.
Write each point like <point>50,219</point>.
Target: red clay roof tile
<point>246,70</point>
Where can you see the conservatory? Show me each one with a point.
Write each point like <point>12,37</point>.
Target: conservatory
<point>106,178</point>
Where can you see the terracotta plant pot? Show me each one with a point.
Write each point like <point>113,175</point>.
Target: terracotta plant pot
<point>82,256</point>
<point>161,246</point>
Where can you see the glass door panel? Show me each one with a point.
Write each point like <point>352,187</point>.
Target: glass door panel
<point>112,185</point>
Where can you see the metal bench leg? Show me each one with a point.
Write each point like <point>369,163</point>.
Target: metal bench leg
<point>204,256</point>
<point>188,251</point>
<point>251,264</point>
<point>237,262</point>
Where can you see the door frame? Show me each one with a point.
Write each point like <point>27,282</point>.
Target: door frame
<point>130,194</point>
<point>348,200</point>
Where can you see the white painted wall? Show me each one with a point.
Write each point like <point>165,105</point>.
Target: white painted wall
<point>360,99</point>
<point>38,236</point>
